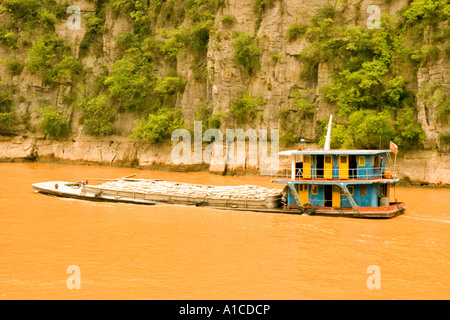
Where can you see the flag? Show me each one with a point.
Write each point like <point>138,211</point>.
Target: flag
<point>393,147</point>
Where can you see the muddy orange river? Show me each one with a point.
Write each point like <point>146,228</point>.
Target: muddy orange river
<point>126,251</point>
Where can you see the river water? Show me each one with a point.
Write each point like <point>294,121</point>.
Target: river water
<point>126,251</point>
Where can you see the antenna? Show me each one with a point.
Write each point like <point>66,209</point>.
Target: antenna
<point>328,136</point>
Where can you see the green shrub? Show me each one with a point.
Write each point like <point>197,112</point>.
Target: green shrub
<point>6,103</point>
<point>296,30</point>
<point>33,13</point>
<point>428,11</point>
<point>363,130</point>
<point>170,86</point>
<point>98,115</point>
<point>47,18</point>
<point>157,127</point>
<point>67,69</point>
<point>303,105</point>
<point>199,36</point>
<point>202,10</point>
<point>53,123</point>
<point>120,5</point>
<point>173,41</point>
<point>131,79</point>
<point>7,120</point>
<point>429,53</point>
<point>15,66</point>
<point>247,52</point>
<point>137,11</point>
<point>409,134</point>
<point>42,54</point>
<point>140,12</point>
<point>24,9</point>
<point>195,38</point>
<point>360,89</point>
<point>95,26</point>
<point>50,58</point>
<point>367,126</point>
<point>8,37</point>
<point>423,13</point>
<point>127,40</point>
<point>228,20</point>
<point>323,13</point>
<point>201,14</point>
<point>245,108</point>
<point>7,117</point>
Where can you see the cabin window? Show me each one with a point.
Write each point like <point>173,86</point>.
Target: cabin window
<point>307,159</point>
<point>362,161</point>
<point>343,159</point>
<point>351,189</point>
<point>328,159</point>
<point>315,189</point>
<point>363,191</point>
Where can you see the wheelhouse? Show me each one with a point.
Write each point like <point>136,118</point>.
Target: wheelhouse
<point>338,178</point>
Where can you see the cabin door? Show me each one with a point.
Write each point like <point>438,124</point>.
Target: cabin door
<point>298,167</point>
<point>343,167</point>
<point>328,167</point>
<point>336,196</point>
<point>319,166</point>
<point>303,193</point>
<point>307,161</point>
<point>353,167</point>
<point>327,196</point>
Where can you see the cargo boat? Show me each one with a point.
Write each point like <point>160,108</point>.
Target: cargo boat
<point>345,183</point>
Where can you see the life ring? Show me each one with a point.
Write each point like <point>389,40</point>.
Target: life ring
<point>309,209</point>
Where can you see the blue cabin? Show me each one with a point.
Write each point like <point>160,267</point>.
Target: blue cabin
<point>338,178</point>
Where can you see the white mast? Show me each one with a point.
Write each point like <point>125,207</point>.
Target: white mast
<point>328,137</point>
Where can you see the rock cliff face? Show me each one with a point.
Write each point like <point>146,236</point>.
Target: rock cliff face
<point>433,85</point>
<point>221,81</point>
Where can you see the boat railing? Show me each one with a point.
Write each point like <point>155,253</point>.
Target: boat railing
<point>338,174</point>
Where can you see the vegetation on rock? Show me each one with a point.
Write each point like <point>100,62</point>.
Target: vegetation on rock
<point>53,123</point>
